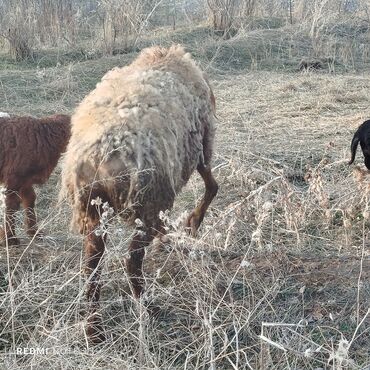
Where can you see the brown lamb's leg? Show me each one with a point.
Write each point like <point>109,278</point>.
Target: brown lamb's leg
<point>196,217</point>
<point>28,198</point>
<point>94,250</point>
<point>12,203</point>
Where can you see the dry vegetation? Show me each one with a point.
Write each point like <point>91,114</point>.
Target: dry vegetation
<point>279,275</point>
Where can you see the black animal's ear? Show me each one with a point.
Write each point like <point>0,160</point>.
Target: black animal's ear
<point>354,145</point>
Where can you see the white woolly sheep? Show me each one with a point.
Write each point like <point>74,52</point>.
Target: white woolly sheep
<point>136,139</point>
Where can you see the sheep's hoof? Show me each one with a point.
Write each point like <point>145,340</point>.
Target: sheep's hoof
<point>95,330</point>
<point>192,224</point>
<point>12,240</point>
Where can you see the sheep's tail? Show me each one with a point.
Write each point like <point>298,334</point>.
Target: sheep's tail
<point>354,145</point>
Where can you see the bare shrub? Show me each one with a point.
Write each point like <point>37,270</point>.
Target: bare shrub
<point>19,43</point>
<point>56,21</point>
<point>223,13</point>
<point>123,22</point>
<point>25,23</point>
<point>17,29</point>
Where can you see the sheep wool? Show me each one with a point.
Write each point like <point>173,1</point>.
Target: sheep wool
<point>139,135</point>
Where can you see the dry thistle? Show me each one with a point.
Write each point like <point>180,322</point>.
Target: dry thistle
<point>362,179</point>
<point>261,218</point>
<point>316,187</point>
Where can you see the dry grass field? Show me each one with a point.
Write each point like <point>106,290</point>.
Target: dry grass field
<point>279,276</point>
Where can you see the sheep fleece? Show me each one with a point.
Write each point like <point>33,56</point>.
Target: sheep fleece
<point>139,135</point>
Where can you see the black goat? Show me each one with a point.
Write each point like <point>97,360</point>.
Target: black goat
<point>362,136</point>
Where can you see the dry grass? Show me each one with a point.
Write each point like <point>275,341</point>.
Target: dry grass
<point>279,275</point>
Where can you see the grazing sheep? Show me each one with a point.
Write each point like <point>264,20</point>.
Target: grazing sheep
<point>136,139</point>
<point>362,136</point>
<point>3,114</point>
<point>29,150</point>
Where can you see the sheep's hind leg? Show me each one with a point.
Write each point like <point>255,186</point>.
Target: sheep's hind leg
<point>12,203</point>
<point>197,215</point>
<point>28,198</point>
<point>94,250</point>
<point>134,262</point>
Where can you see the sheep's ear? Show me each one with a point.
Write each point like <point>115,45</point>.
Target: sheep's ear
<point>354,145</point>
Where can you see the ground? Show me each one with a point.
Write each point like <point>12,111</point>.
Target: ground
<point>278,276</point>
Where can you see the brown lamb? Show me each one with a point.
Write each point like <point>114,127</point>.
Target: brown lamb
<point>136,140</point>
<point>29,151</point>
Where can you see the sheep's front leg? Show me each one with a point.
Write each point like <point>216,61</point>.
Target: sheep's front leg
<point>28,198</point>
<point>12,203</point>
<point>94,250</point>
<point>134,262</point>
<point>197,215</point>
